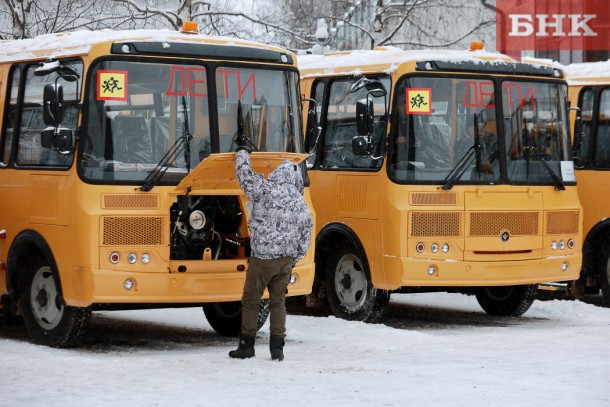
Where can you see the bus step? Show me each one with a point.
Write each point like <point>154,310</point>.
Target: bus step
<point>561,287</point>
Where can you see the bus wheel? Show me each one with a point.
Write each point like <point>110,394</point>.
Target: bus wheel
<point>48,321</point>
<point>225,317</point>
<point>509,301</point>
<point>349,289</point>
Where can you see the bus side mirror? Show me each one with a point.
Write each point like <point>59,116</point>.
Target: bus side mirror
<point>313,129</point>
<point>57,138</point>
<point>579,156</point>
<point>52,100</point>
<point>361,146</point>
<point>364,116</point>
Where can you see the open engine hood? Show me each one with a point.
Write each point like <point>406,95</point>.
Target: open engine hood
<point>217,172</point>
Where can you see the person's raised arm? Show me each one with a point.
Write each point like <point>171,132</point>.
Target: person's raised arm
<point>252,183</point>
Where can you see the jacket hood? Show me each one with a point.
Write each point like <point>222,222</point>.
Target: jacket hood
<point>288,173</point>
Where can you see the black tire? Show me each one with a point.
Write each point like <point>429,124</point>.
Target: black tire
<point>48,321</point>
<point>508,301</point>
<point>603,274</point>
<point>9,317</point>
<point>225,317</point>
<point>349,290</point>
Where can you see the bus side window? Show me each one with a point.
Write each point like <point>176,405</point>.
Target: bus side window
<point>341,127</point>
<point>586,106</point>
<point>11,114</point>
<point>602,145</point>
<point>30,151</point>
<point>602,138</point>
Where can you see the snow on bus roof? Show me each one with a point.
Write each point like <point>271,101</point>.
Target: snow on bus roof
<point>80,42</point>
<point>388,59</point>
<point>588,72</point>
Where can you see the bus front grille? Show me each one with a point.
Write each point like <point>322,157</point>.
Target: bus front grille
<point>562,222</point>
<point>432,224</point>
<point>433,198</point>
<point>130,201</point>
<point>132,230</point>
<point>494,223</point>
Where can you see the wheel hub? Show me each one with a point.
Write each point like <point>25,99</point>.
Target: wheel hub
<point>42,297</point>
<point>346,281</point>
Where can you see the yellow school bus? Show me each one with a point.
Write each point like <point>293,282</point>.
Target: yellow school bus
<point>589,93</point>
<point>118,173</point>
<point>438,171</point>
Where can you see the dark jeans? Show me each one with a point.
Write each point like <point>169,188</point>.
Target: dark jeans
<point>273,274</point>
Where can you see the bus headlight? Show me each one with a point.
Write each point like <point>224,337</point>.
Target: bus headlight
<point>145,258</point>
<point>562,245</point>
<point>564,266</point>
<point>554,245</point>
<point>434,248</point>
<point>129,284</point>
<point>445,248</point>
<point>132,258</point>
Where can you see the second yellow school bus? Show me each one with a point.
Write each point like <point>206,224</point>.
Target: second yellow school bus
<point>439,170</point>
<point>118,174</point>
<point>589,91</point>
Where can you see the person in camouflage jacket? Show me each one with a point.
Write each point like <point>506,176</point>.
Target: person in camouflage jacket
<point>280,226</point>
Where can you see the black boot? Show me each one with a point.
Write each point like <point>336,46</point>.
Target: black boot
<point>276,346</point>
<point>245,349</point>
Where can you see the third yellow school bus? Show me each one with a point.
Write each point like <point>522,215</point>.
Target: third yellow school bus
<point>118,173</point>
<point>439,170</point>
<point>589,90</point>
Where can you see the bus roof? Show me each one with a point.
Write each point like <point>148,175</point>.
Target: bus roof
<point>81,42</point>
<point>389,59</point>
<point>588,73</point>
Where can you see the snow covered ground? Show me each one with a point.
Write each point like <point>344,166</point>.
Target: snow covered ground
<point>431,350</point>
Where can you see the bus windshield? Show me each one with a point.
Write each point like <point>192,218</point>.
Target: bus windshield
<point>456,130</point>
<point>139,111</point>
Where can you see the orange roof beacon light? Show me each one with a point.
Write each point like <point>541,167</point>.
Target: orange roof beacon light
<point>189,27</point>
<point>477,45</point>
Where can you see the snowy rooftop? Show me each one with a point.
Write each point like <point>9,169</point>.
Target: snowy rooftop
<point>80,42</point>
<point>588,72</point>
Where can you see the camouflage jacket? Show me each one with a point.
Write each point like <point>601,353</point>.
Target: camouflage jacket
<point>280,222</point>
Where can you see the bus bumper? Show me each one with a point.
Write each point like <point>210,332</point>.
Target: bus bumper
<point>409,272</point>
<point>113,287</point>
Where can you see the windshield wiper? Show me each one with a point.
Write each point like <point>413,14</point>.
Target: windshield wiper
<point>160,169</point>
<point>240,135</point>
<point>460,169</point>
<point>528,154</point>
<point>182,144</point>
<point>188,135</point>
<point>556,180</point>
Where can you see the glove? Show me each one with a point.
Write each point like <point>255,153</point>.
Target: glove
<point>240,140</point>
<point>242,144</point>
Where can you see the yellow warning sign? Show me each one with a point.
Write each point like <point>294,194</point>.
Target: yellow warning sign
<point>111,85</point>
<point>419,100</point>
